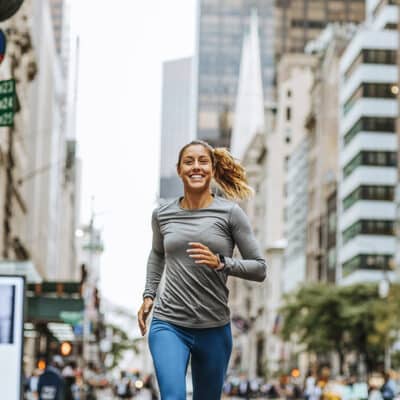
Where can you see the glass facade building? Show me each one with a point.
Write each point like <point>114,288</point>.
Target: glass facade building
<point>284,26</point>
<point>298,21</point>
<point>221,28</point>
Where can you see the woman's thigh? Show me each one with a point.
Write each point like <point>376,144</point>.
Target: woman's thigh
<point>170,354</point>
<point>210,358</point>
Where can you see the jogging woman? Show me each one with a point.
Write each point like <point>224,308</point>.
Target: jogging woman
<point>193,238</point>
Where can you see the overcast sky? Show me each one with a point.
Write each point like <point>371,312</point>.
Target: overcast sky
<point>123,45</point>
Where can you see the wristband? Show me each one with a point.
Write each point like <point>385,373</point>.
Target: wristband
<point>221,262</point>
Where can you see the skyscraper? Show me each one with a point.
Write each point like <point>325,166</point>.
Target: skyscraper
<point>285,26</point>
<point>298,21</point>
<point>368,148</point>
<point>221,28</point>
<point>175,122</point>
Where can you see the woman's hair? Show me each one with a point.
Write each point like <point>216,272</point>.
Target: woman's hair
<point>229,174</point>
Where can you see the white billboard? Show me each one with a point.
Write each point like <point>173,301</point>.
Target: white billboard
<point>12,295</point>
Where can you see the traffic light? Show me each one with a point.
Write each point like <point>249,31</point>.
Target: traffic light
<point>65,349</point>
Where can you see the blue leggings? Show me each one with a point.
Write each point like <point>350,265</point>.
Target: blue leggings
<point>171,347</point>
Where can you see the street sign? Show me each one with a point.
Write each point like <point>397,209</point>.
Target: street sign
<point>71,317</point>
<point>3,43</point>
<point>7,102</point>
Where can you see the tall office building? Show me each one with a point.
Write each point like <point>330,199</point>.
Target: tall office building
<point>298,21</point>
<point>175,122</point>
<point>284,26</point>
<point>368,147</point>
<point>221,27</point>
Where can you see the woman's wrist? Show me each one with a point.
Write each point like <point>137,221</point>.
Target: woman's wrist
<point>221,262</point>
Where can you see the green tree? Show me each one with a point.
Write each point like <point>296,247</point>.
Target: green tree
<point>120,343</point>
<point>325,318</point>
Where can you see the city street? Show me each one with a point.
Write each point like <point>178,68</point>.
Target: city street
<point>206,186</point>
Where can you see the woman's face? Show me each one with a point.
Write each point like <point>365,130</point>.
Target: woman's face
<point>195,168</point>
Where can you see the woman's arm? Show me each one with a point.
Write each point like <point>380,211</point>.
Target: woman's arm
<point>156,260</point>
<point>155,267</point>
<point>253,266</point>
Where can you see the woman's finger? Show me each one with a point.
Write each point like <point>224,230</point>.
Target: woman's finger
<point>206,262</point>
<point>198,245</point>
<point>198,251</point>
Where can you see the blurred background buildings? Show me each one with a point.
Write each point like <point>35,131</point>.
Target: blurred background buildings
<point>40,186</point>
<point>305,94</point>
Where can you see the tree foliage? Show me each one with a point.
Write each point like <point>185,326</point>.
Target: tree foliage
<point>121,342</point>
<point>325,318</point>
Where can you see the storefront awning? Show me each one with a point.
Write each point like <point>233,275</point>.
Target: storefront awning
<point>52,309</point>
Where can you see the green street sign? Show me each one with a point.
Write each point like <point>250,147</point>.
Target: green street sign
<point>71,317</point>
<point>8,101</point>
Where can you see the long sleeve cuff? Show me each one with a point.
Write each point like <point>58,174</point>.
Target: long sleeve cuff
<point>253,270</point>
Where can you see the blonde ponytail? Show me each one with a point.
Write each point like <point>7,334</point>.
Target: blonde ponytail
<point>230,175</point>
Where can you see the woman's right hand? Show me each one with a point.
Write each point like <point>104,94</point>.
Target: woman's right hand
<point>143,313</point>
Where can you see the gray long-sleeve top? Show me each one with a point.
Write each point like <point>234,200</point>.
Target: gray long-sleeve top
<point>195,295</point>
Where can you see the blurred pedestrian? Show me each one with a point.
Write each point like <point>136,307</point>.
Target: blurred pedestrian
<point>69,376</point>
<point>51,384</point>
<point>194,237</point>
<point>123,387</point>
<point>388,388</point>
<point>147,392</point>
<point>310,385</point>
<point>32,385</point>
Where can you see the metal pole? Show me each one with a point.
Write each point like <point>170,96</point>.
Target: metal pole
<point>8,194</point>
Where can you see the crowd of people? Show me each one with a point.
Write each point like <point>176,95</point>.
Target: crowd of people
<point>64,380</point>
<point>379,387</point>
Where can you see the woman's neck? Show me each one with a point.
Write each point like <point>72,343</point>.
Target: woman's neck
<point>196,200</point>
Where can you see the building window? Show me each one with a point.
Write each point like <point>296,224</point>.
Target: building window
<point>369,192</point>
<point>376,90</point>
<point>368,227</point>
<point>371,158</point>
<point>372,56</point>
<point>368,261</point>
<point>370,124</point>
<point>390,26</point>
<point>288,113</point>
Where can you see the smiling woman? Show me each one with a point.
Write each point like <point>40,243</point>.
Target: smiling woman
<point>193,239</point>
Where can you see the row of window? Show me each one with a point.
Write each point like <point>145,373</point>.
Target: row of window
<point>369,192</point>
<point>377,90</point>
<point>380,262</point>
<point>370,124</point>
<point>372,56</point>
<point>312,24</point>
<point>371,158</point>
<point>368,227</point>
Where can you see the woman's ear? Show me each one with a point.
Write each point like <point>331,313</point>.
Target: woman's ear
<point>178,170</point>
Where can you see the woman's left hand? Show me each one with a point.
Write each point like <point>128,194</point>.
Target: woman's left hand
<point>203,255</point>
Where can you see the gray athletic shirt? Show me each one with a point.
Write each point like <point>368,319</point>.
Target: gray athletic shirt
<point>195,295</point>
